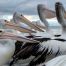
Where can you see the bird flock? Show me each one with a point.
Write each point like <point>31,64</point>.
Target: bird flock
<point>24,45</point>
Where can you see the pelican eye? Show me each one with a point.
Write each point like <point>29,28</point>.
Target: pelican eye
<point>5,20</point>
<point>1,31</point>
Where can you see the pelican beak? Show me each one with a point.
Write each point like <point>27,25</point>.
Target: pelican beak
<point>12,25</point>
<point>8,35</point>
<point>26,21</point>
<point>39,25</point>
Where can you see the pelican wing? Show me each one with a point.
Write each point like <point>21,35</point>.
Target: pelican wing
<point>58,61</point>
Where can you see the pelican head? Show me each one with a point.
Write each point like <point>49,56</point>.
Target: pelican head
<point>41,14</point>
<point>12,25</point>
<point>20,18</point>
<point>60,13</point>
